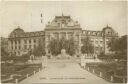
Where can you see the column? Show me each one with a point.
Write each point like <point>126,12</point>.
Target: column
<point>46,44</point>
<point>59,35</point>
<point>14,46</point>
<point>9,45</point>
<point>22,45</point>
<point>66,35</point>
<point>80,45</point>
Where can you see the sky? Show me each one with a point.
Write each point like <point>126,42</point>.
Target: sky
<point>92,15</point>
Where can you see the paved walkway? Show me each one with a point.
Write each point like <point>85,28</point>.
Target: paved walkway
<point>64,71</point>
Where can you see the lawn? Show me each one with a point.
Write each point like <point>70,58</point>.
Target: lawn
<point>117,69</point>
<point>18,71</point>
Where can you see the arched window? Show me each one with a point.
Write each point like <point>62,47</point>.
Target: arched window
<point>34,40</point>
<point>25,41</point>
<point>30,41</point>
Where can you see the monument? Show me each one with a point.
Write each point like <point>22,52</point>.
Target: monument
<point>63,55</point>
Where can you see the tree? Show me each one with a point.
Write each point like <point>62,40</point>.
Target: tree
<point>40,49</point>
<point>113,44</point>
<point>70,46</point>
<point>87,46</point>
<point>56,45</point>
<point>4,53</point>
<point>119,46</point>
<point>24,58</point>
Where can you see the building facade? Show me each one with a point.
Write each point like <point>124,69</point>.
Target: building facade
<point>21,42</point>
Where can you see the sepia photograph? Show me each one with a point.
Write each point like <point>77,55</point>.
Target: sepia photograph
<point>63,42</point>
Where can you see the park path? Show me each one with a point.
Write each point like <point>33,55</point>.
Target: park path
<point>64,71</point>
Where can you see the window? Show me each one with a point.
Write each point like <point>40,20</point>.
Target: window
<point>30,41</point>
<point>19,41</point>
<point>19,47</point>
<point>34,40</point>
<point>39,40</point>
<point>58,24</point>
<point>101,48</point>
<point>30,46</point>
<point>107,42</point>
<point>12,47</point>
<point>96,48</point>
<point>25,46</point>
<point>94,33</point>
<point>25,41</point>
<point>48,37</point>
<point>15,42</point>
<point>84,32</point>
<point>15,53</point>
<point>11,42</point>
<point>34,46</point>
<point>15,47</point>
<point>18,53</point>
<point>63,25</point>
<point>91,41</point>
<point>77,37</point>
<point>101,42</point>
<point>88,33</point>
<point>63,34</point>
<point>55,20</point>
<point>107,39</point>
<point>96,42</point>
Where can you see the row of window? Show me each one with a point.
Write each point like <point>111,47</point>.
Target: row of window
<point>63,20</point>
<point>95,33</point>
<point>25,47</point>
<point>97,42</point>
<point>30,41</point>
<point>29,46</point>
<point>62,36</point>
<point>25,41</point>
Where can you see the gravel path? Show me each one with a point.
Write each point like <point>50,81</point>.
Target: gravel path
<point>64,71</point>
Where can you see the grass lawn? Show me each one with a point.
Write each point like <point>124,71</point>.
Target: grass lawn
<point>18,71</point>
<point>113,69</point>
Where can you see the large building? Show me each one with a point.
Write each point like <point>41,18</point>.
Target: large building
<point>21,42</point>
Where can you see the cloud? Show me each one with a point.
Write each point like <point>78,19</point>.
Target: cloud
<point>91,15</point>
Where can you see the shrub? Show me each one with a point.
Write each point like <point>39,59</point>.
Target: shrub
<point>22,58</point>
<point>20,67</point>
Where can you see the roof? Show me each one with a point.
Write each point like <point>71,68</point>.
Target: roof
<point>62,22</point>
<point>18,32</point>
<point>91,33</point>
